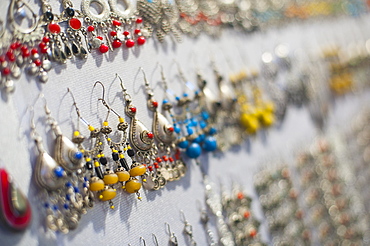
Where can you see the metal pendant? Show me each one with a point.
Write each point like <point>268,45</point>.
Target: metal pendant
<point>140,136</point>
<point>163,130</point>
<point>48,173</point>
<point>15,208</point>
<point>66,154</point>
<point>127,13</point>
<point>101,17</point>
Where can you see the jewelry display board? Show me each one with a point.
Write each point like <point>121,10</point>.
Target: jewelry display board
<point>229,53</point>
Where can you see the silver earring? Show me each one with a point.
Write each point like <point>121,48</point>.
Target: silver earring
<point>188,229</point>
<point>173,238</point>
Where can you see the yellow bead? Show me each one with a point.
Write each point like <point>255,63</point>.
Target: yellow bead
<point>133,185</point>
<point>137,171</point>
<point>96,184</point>
<point>91,128</point>
<point>144,180</point>
<point>76,133</point>
<point>267,119</point>
<point>102,155</point>
<point>100,143</point>
<point>110,178</point>
<point>123,176</point>
<point>112,207</point>
<point>88,159</point>
<point>105,123</point>
<point>250,123</point>
<point>107,194</point>
<point>139,197</point>
<point>270,107</point>
<point>123,187</point>
<point>121,120</point>
<point>108,139</point>
<point>98,156</point>
<point>96,164</point>
<point>121,156</point>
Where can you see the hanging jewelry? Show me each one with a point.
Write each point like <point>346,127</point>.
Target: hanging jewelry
<point>173,238</point>
<point>188,229</point>
<point>14,206</point>
<point>204,218</point>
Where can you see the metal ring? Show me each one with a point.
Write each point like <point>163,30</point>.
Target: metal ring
<point>103,16</point>
<point>13,22</point>
<point>127,13</point>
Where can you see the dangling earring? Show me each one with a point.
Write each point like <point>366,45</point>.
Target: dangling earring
<point>173,238</point>
<point>142,140</point>
<point>188,229</point>
<point>14,205</point>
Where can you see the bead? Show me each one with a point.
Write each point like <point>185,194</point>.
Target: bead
<point>139,20</point>
<point>48,16</point>
<point>13,46</point>
<point>183,144</point>
<point>90,28</point>
<point>115,156</point>
<point>212,131</point>
<point>26,53</point>
<point>99,172</point>
<point>155,104</point>
<point>76,189</point>
<point>193,151</point>
<point>126,33</point>
<point>202,124</point>
<point>34,51</point>
<point>6,71</point>
<point>96,184</point>
<point>129,43</point>
<point>170,129</point>
<point>240,195</point>
<point>116,23</point>
<point>133,186</point>
<point>197,140</point>
<point>89,165</point>
<point>108,194</point>
<point>116,43</point>
<point>130,152</point>
<point>103,48</point>
<point>59,172</point>
<point>75,24</point>
<point>158,159</point>
<point>137,31</point>
<point>177,129</point>
<point>150,135</point>
<point>124,163</point>
<point>210,144</point>
<point>133,110</point>
<point>99,37</point>
<point>137,171</point>
<point>141,40</point>
<point>113,33</point>
<point>70,11</point>
<point>249,122</point>
<point>78,155</point>
<point>54,28</point>
<point>103,160</point>
<point>110,178</point>
<point>205,115</point>
<point>190,130</point>
<point>123,176</point>
<point>267,119</point>
<point>44,50</point>
<point>150,168</point>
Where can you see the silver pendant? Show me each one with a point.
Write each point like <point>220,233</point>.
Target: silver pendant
<point>45,173</point>
<point>163,130</point>
<point>66,154</point>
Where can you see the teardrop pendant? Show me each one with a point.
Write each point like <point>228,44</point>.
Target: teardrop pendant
<point>48,174</point>
<point>66,154</point>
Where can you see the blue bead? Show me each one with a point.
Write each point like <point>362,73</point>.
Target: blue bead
<point>202,124</point>
<point>177,129</point>
<point>66,206</point>
<point>68,197</point>
<point>84,185</point>
<point>59,172</point>
<point>197,93</point>
<point>183,144</point>
<point>86,179</point>
<point>190,131</point>
<point>210,144</point>
<point>197,140</point>
<point>55,207</point>
<point>78,155</point>
<point>185,94</point>
<point>205,115</point>
<point>46,205</point>
<point>76,189</point>
<point>177,98</point>
<point>165,101</point>
<point>212,131</point>
<point>69,184</point>
<point>202,137</point>
<point>194,150</point>
<point>194,122</point>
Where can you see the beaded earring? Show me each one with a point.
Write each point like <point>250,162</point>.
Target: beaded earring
<point>14,206</point>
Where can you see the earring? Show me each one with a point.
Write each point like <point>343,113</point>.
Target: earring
<point>154,237</point>
<point>14,205</point>
<point>188,229</point>
<point>204,218</point>
<point>173,238</point>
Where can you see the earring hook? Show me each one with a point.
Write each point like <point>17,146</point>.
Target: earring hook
<point>181,74</point>
<point>182,215</point>
<point>155,239</point>
<point>149,90</point>
<point>126,96</point>
<point>102,99</point>
<point>77,109</point>
<point>142,240</point>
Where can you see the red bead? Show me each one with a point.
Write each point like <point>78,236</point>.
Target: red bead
<point>164,156</point>
<point>133,110</point>
<point>13,46</point>
<point>158,159</point>
<point>34,51</point>
<point>9,53</point>
<point>26,53</point>
<point>156,165</point>
<point>141,40</point>
<point>54,28</point>
<point>103,48</point>
<point>46,39</point>
<point>246,214</point>
<point>90,28</point>
<point>171,159</point>
<point>240,195</point>
<point>44,50</point>
<point>6,71</point>
<point>24,48</point>
<point>116,23</point>
<point>155,104</point>
<point>137,31</point>
<point>116,43</point>
<point>42,45</point>
<point>177,154</point>
<point>130,43</point>
<point>165,159</point>
<point>139,20</point>
<point>99,37</point>
<point>150,168</point>
<point>252,232</point>
<point>11,58</point>
<point>113,33</point>
<point>150,135</point>
<point>126,33</point>
<point>2,59</point>
<point>37,62</point>
<point>75,23</point>
<point>18,44</point>
<point>170,129</point>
